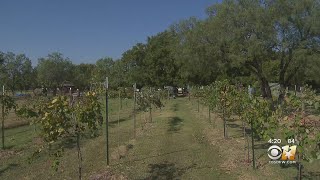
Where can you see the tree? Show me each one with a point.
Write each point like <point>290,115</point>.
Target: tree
<point>298,33</point>
<point>159,64</point>
<point>119,74</point>
<point>258,33</point>
<point>245,37</point>
<point>133,62</point>
<point>53,70</point>
<point>103,69</point>
<point>83,74</point>
<point>28,76</point>
<point>312,74</point>
<point>196,58</point>
<point>16,71</point>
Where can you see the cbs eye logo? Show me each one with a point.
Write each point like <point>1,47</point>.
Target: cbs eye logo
<point>286,152</point>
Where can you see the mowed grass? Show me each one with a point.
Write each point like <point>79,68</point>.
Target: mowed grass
<point>180,143</point>
<point>174,148</point>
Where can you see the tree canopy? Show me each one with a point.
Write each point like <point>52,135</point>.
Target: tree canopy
<point>245,41</point>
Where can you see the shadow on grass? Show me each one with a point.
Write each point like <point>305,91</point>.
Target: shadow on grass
<point>115,123</point>
<point>233,125</point>
<point>17,133</point>
<point>175,107</point>
<point>7,147</point>
<point>8,167</point>
<point>311,175</point>
<point>167,170</point>
<point>285,166</point>
<point>153,156</point>
<point>175,124</point>
<point>262,146</point>
<point>129,146</point>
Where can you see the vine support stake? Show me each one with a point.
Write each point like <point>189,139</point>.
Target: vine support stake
<point>119,121</point>
<point>134,110</point>
<point>2,126</point>
<point>107,120</point>
<point>2,120</point>
<point>198,105</point>
<point>209,114</point>
<point>189,92</point>
<point>224,124</point>
<point>252,146</point>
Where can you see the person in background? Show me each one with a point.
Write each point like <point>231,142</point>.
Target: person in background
<point>250,91</point>
<point>78,93</point>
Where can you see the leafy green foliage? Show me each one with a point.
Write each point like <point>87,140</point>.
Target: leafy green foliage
<point>62,118</point>
<point>53,70</point>
<point>8,103</point>
<point>146,98</point>
<point>103,68</point>
<point>88,112</point>
<point>16,72</point>
<point>295,123</point>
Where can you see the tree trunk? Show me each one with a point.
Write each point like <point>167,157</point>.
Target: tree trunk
<point>256,68</point>
<point>282,91</point>
<point>265,88</point>
<point>281,81</point>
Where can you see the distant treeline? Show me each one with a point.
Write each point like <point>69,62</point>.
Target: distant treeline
<point>246,41</point>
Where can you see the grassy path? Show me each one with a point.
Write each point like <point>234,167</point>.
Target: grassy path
<point>175,148</point>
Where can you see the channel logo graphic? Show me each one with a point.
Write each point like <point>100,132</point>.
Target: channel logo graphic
<point>285,153</point>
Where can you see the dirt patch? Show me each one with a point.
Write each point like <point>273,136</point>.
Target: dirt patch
<point>37,140</point>
<point>108,175</point>
<point>16,123</point>
<point>8,153</point>
<point>122,151</point>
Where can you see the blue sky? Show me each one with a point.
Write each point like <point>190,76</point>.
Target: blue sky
<point>85,30</point>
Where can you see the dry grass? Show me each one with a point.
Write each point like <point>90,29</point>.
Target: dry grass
<point>108,175</point>
<point>234,151</point>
